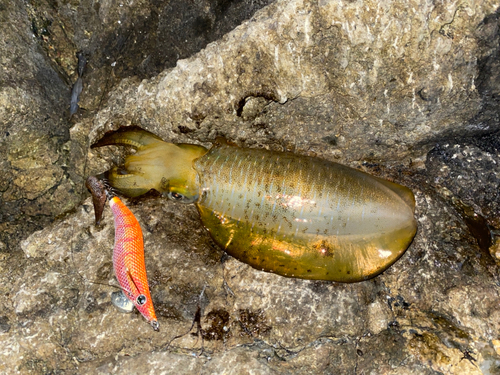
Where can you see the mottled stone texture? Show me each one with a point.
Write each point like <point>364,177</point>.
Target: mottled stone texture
<point>406,90</point>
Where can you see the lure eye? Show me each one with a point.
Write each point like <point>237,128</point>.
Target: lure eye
<point>141,299</point>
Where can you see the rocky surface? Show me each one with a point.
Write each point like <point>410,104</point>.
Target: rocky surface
<point>404,90</point>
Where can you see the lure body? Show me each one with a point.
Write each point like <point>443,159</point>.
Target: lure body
<point>279,212</point>
<point>128,260</point>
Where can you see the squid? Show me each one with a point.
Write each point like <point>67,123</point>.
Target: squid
<point>293,215</point>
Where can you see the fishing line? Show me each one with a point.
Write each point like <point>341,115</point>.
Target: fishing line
<point>85,166</point>
<point>197,321</point>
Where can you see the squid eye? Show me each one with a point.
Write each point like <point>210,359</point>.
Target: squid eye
<point>175,196</point>
<point>141,299</point>
<point>181,198</point>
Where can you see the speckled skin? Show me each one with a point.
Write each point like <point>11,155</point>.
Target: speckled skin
<point>303,217</point>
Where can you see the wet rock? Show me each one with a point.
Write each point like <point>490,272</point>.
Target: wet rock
<point>40,67</point>
<point>4,324</point>
<point>363,86</point>
<point>32,129</point>
<point>160,362</point>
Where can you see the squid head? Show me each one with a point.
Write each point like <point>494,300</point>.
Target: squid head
<point>164,167</point>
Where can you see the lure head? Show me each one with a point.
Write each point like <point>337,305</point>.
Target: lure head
<point>125,305</point>
<point>144,304</point>
<point>164,167</point>
<point>136,289</point>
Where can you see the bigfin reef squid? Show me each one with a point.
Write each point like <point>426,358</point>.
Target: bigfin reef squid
<point>296,216</point>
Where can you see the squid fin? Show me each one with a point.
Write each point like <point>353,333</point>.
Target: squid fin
<point>402,191</point>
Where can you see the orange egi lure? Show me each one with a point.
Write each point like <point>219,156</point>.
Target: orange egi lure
<point>128,253</point>
<point>128,260</point>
